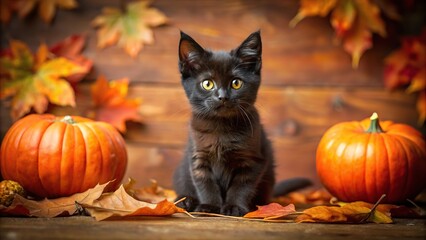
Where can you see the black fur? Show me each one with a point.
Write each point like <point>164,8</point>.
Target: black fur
<point>228,165</point>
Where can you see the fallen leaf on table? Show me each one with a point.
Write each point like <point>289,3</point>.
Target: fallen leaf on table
<point>271,211</point>
<point>52,207</point>
<point>32,81</point>
<point>152,194</point>
<point>130,28</point>
<point>71,48</point>
<point>348,213</point>
<point>111,103</point>
<point>121,204</point>
<point>313,197</point>
<point>46,8</point>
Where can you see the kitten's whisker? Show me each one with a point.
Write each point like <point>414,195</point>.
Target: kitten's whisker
<point>248,118</point>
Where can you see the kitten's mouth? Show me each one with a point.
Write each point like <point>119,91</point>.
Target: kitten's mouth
<point>225,109</point>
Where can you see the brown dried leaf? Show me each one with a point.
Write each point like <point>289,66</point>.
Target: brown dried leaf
<point>271,211</point>
<point>52,207</point>
<point>121,204</point>
<point>152,194</point>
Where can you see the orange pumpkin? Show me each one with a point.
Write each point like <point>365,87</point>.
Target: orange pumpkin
<point>59,156</point>
<point>363,160</point>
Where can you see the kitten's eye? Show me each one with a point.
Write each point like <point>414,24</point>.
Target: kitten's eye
<point>207,84</point>
<point>236,84</point>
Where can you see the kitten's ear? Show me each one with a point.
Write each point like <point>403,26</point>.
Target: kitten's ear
<point>250,52</point>
<point>190,53</point>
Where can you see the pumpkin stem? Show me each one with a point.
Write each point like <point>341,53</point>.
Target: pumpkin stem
<point>68,119</point>
<point>375,124</point>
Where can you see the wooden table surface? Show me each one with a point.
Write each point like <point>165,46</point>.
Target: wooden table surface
<point>183,227</point>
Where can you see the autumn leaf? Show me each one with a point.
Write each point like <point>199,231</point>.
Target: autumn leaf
<point>130,28</point>
<point>32,81</point>
<point>354,21</point>
<point>313,197</point>
<point>111,103</point>
<point>46,8</point>
<point>348,213</point>
<point>271,211</point>
<point>152,194</point>
<point>71,48</point>
<point>406,67</point>
<point>52,207</point>
<point>121,204</point>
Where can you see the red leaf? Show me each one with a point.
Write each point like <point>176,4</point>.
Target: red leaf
<point>271,211</point>
<point>71,48</point>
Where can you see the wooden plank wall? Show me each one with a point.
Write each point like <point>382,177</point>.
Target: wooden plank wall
<point>308,83</point>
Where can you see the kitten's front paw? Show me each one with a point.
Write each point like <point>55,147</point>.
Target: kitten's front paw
<point>189,204</point>
<point>233,210</point>
<point>207,208</point>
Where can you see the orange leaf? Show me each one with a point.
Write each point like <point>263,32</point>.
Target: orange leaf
<point>71,48</point>
<point>46,8</point>
<point>271,211</point>
<point>111,103</point>
<point>357,212</point>
<point>129,29</point>
<point>52,207</point>
<point>357,40</point>
<point>313,8</point>
<point>343,17</point>
<point>122,204</point>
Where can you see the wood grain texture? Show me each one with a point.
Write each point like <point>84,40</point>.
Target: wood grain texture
<point>183,227</point>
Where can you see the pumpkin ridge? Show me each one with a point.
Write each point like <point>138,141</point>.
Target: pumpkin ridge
<point>342,178</point>
<point>79,166</point>
<point>96,133</point>
<point>407,165</point>
<point>366,172</point>
<point>39,181</point>
<point>119,165</point>
<point>92,172</point>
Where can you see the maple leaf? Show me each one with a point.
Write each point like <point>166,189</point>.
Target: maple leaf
<point>111,104</point>
<point>271,211</point>
<point>52,207</point>
<point>354,21</point>
<point>153,193</point>
<point>71,48</point>
<point>46,8</point>
<point>34,81</point>
<point>121,204</point>
<point>129,29</point>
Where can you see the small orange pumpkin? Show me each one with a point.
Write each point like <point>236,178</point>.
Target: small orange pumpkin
<point>360,161</point>
<point>59,156</point>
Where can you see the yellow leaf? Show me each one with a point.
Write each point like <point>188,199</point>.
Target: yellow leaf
<point>33,84</point>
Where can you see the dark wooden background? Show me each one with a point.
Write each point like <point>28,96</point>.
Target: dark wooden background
<point>308,82</point>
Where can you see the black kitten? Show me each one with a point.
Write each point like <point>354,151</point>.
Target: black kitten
<point>228,165</point>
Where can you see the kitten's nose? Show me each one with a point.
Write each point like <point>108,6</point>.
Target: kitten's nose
<point>222,95</point>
